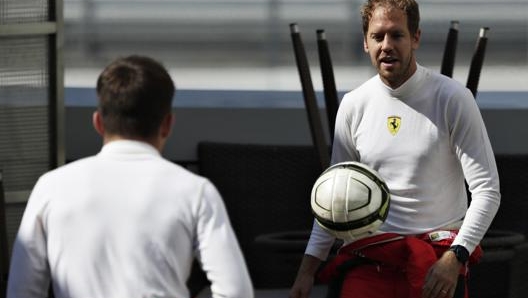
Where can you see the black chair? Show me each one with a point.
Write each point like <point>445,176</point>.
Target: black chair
<point>477,61</point>
<point>503,270</point>
<point>513,211</point>
<point>4,247</point>
<point>266,189</point>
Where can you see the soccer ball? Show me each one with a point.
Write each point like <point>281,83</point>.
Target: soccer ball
<point>350,200</point>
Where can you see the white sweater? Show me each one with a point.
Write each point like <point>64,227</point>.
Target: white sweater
<point>124,223</point>
<point>441,139</point>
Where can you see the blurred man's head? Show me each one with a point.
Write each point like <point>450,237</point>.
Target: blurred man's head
<point>135,98</point>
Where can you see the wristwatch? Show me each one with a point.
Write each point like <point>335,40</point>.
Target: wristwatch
<point>461,253</point>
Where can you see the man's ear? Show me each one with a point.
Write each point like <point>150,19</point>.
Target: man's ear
<point>416,39</point>
<point>365,45</point>
<point>97,122</point>
<point>166,125</point>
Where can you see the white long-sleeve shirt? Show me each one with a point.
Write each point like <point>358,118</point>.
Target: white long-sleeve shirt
<point>440,139</point>
<point>124,223</point>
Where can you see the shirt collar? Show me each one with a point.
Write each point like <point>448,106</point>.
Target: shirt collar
<point>411,85</point>
<point>128,147</point>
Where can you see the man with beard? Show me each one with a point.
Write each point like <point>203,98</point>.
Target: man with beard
<point>424,134</point>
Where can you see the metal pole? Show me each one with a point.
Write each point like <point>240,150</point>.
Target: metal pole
<point>310,100</point>
<point>329,85</point>
<point>477,61</point>
<point>448,60</point>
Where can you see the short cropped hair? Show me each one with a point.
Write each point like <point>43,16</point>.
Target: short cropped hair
<point>135,95</point>
<point>410,7</point>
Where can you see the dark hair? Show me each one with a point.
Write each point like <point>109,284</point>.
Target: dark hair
<point>410,7</point>
<point>135,94</point>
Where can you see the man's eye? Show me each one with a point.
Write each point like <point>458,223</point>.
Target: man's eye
<point>378,38</point>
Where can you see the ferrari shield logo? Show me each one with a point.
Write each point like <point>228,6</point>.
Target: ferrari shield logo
<point>393,123</point>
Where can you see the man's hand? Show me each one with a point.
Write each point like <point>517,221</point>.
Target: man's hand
<point>441,280</point>
<point>302,286</point>
<point>305,277</point>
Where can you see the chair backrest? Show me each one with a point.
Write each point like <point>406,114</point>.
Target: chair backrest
<point>329,85</point>
<point>448,60</point>
<point>266,188</point>
<point>513,210</point>
<point>477,61</point>
<point>4,247</point>
<point>310,99</point>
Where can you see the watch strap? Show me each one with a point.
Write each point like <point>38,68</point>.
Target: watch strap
<point>461,253</point>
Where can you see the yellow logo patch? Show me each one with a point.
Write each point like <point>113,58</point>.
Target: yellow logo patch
<point>393,124</point>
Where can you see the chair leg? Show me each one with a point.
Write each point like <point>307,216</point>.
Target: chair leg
<point>477,61</point>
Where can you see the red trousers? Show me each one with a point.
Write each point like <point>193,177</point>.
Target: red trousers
<point>374,281</point>
<point>371,281</point>
<point>397,265</point>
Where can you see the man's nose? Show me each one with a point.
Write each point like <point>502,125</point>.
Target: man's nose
<point>386,43</point>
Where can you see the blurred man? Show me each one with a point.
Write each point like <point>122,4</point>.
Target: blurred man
<point>126,222</point>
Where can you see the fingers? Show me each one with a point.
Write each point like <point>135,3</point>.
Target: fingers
<point>438,291</point>
<point>447,293</point>
<point>437,287</point>
<point>441,279</point>
<point>298,295</point>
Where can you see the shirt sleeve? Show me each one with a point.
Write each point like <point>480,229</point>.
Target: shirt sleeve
<point>472,146</point>
<point>320,243</point>
<point>343,149</point>
<point>29,274</point>
<point>344,146</point>
<point>218,249</point>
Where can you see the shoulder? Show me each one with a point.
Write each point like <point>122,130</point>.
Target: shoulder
<point>363,92</point>
<point>68,169</point>
<point>174,170</point>
<point>445,86</point>
<point>454,98</point>
<point>184,180</point>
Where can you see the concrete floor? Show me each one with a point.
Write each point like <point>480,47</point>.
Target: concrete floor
<point>317,292</point>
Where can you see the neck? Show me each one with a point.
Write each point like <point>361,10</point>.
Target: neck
<point>411,69</point>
